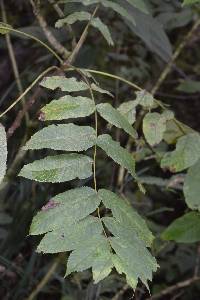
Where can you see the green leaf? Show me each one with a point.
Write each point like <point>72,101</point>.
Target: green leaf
<point>145,99</point>
<point>174,130</point>
<point>68,107</point>
<point>139,4</point>
<point>191,186</point>
<point>185,229</point>
<point>128,110</point>
<point>85,16</point>
<point>120,155</point>
<point>126,215</point>
<point>154,126</point>
<point>4,28</point>
<point>65,235</point>
<point>65,84</point>
<point>186,154</point>
<point>69,85</point>
<point>108,4</point>
<point>64,210</point>
<point>114,117</point>
<point>130,238</point>
<point>59,168</point>
<point>189,86</point>
<point>189,2</point>
<point>95,253</point>
<point>66,137</point>
<point>3,152</point>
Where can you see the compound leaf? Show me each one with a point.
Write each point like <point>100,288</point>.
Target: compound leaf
<point>68,107</point>
<point>59,168</point>
<point>114,117</point>
<point>66,137</point>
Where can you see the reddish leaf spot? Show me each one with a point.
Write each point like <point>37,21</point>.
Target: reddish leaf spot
<point>50,205</point>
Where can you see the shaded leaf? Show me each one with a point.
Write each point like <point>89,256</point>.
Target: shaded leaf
<point>68,107</point>
<point>108,4</point>
<point>119,154</point>
<point>139,4</point>
<point>128,110</point>
<point>185,229</point>
<point>145,99</point>
<point>154,126</point>
<point>66,137</point>
<point>186,154</point>
<point>59,168</point>
<point>85,16</point>
<point>114,117</point>
<point>189,86</point>
<point>191,186</point>
<point>189,2</point>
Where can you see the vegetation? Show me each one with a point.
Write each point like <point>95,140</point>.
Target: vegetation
<point>100,151</point>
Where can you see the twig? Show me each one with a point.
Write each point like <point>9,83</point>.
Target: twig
<point>50,37</point>
<point>28,89</point>
<point>179,285</point>
<point>176,54</point>
<point>81,40</point>
<point>62,15</point>
<point>45,279</point>
<point>17,122</point>
<point>121,292</point>
<point>12,58</point>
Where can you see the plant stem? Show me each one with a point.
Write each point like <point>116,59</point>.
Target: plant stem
<point>115,77</point>
<point>176,54</point>
<point>82,39</point>
<point>45,279</point>
<point>13,59</point>
<point>28,89</point>
<point>59,48</point>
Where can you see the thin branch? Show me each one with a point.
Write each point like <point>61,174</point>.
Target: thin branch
<point>121,292</point>
<point>12,58</point>
<point>28,89</point>
<point>45,279</point>
<point>30,36</point>
<point>177,286</point>
<point>81,40</point>
<point>49,35</point>
<point>62,15</point>
<point>176,54</point>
